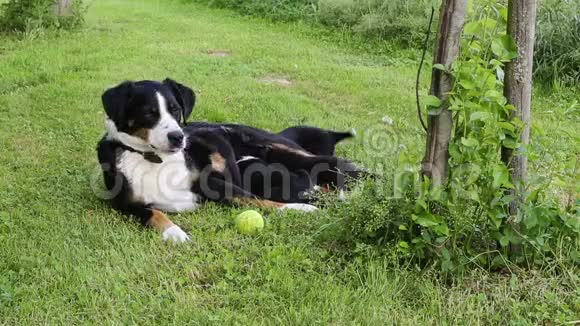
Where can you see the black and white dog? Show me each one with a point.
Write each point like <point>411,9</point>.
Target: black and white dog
<point>153,162</point>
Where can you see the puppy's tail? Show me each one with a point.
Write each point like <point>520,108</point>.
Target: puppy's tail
<point>340,136</point>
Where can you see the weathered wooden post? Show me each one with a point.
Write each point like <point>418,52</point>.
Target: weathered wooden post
<point>435,163</point>
<point>517,89</point>
<point>63,8</point>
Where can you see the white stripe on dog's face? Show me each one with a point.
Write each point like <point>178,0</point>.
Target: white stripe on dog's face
<point>127,139</point>
<point>166,124</point>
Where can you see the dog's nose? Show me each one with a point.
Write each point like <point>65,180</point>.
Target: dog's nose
<point>175,138</point>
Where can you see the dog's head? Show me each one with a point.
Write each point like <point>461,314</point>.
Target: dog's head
<point>148,115</point>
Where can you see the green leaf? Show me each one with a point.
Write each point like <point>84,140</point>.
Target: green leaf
<point>501,176</point>
<point>504,48</point>
<point>504,241</point>
<point>497,218</point>
<point>467,84</point>
<point>508,237</point>
<point>538,130</point>
<point>533,196</point>
<point>506,199</point>
<point>466,174</point>
<point>439,66</point>
<point>403,180</point>
<point>510,107</point>
<point>506,126</point>
<point>472,28</point>
<point>403,227</point>
<point>509,142</point>
<point>434,111</point>
<point>504,13</point>
<point>437,194</point>
<point>480,116</point>
<point>473,195</point>
<point>492,93</point>
<point>433,105</point>
<point>403,244</point>
<point>441,229</point>
<point>433,101</point>
<point>469,142</point>
<point>489,23</point>
<point>497,48</point>
<point>530,219</point>
<point>496,63</point>
<point>426,220</point>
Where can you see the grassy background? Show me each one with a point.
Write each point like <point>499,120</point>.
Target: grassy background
<point>66,257</point>
<point>556,57</point>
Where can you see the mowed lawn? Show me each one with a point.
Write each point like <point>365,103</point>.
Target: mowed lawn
<point>67,257</point>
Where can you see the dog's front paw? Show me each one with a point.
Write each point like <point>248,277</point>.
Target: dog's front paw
<point>299,207</point>
<point>175,234</point>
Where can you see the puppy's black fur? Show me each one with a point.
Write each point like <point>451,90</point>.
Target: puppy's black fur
<point>281,155</point>
<point>257,173</point>
<point>315,140</point>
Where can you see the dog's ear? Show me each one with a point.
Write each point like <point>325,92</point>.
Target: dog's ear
<point>184,95</point>
<point>115,102</point>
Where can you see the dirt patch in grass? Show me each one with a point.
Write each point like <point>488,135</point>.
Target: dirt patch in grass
<point>219,53</point>
<point>278,80</point>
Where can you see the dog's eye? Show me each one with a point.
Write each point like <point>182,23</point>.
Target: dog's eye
<point>150,112</point>
<point>175,110</point>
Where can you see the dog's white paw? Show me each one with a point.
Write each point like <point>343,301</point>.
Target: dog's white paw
<point>299,207</point>
<point>175,234</point>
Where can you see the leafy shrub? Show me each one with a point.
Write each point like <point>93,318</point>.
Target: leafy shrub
<point>338,12</point>
<point>25,15</point>
<point>401,21</point>
<point>432,228</point>
<point>280,10</point>
<point>467,221</point>
<point>396,20</point>
<point>557,49</point>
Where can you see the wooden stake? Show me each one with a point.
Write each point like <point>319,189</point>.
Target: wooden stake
<point>518,91</point>
<point>435,163</point>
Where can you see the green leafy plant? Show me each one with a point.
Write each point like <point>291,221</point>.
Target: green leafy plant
<point>466,222</point>
<point>26,15</point>
<point>399,21</point>
<point>557,54</point>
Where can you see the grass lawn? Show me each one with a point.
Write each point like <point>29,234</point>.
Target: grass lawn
<point>67,257</point>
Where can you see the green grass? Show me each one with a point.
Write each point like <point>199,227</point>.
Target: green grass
<point>67,257</point>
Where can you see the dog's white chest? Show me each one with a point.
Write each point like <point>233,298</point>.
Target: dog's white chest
<point>165,185</point>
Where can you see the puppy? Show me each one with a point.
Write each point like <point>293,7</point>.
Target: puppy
<point>315,140</point>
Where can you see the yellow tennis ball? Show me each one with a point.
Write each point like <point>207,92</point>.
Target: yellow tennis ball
<point>249,222</point>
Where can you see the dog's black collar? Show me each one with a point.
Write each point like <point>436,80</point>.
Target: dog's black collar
<point>149,156</point>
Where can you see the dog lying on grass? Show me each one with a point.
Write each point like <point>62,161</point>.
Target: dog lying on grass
<point>154,162</point>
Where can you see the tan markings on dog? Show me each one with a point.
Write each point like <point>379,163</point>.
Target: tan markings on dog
<point>291,150</point>
<point>218,162</point>
<point>159,221</point>
<point>260,203</point>
<point>142,133</point>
